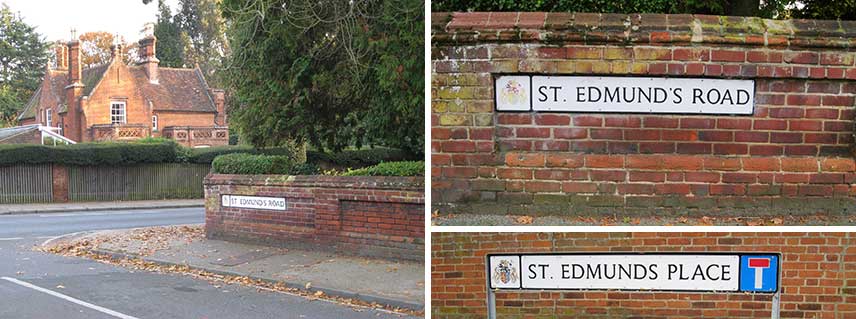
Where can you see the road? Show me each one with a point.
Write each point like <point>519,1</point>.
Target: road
<point>44,286</point>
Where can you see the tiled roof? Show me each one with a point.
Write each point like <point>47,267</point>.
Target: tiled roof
<point>16,130</point>
<point>91,77</point>
<point>183,90</point>
<point>30,108</point>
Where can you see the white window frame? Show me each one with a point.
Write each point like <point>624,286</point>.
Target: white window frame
<point>154,122</point>
<point>48,117</point>
<point>122,117</point>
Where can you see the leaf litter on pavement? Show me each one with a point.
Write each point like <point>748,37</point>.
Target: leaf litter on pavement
<point>159,238</point>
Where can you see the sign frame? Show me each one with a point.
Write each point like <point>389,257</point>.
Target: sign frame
<point>496,76</point>
<point>520,255</point>
<point>226,197</point>
<point>491,292</point>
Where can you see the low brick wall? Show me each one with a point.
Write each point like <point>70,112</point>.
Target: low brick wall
<point>818,271</point>
<point>365,215</point>
<point>782,158</point>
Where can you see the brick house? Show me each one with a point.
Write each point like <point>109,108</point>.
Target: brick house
<point>116,102</point>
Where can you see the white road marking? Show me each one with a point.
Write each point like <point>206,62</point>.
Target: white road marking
<point>11,238</point>
<point>70,299</point>
<point>51,239</point>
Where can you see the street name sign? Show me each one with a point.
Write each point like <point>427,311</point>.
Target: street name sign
<point>732,272</point>
<point>612,94</point>
<point>255,202</point>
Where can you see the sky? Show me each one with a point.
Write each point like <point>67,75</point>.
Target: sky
<point>55,18</point>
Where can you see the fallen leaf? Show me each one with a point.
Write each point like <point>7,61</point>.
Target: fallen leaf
<point>524,220</point>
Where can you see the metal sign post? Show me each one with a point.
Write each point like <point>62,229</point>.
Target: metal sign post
<point>731,272</point>
<point>776,301</point>
<point>491,297</point>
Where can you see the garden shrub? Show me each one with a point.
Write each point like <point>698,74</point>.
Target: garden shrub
<point>407,168</point>
<point>252,164</point>
<point>111,154</point>
<point>361,158</point>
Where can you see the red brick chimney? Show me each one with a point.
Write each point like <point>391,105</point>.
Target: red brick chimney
<point>73,91</point>
<point>147,54</point>
<point>219,97</point>
<point>61,55</point>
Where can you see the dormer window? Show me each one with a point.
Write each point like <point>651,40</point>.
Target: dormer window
<point>117,113</point>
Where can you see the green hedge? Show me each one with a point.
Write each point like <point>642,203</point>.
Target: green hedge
<point>207,155</point>
<point>361,158</point>
<point>391,169</point>
<point>243,163</point>
<point>90,153</point>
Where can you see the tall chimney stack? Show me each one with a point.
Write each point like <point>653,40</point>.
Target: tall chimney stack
<point>61,56</point>
<point>74,68</point>
<point>148,58</point>
<point>73,129</point>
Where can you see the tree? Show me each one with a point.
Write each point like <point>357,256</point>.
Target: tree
<point>826,9</point>
<point>203,35</point>
<point>23,59</point>
<point>96,48</point>
<point>776,9</point>
<point>195,35</point>
<point>335,73</point>
<point>170,47</point>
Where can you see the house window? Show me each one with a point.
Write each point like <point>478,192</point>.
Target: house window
<point>154,122</point>
<point>117,113</point>
<point>48,117</point>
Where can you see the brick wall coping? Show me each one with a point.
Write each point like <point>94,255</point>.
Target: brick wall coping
<point>657,29</point>
<point>416,184</point>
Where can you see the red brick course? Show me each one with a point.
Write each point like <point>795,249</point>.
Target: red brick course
<point>375,216</point>
<point>817,276</point>
<point>804,109</point>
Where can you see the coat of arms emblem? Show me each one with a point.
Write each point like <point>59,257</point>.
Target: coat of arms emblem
<point>513,93</point>
<point>505,272</point>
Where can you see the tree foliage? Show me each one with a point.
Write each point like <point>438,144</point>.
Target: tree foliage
<point>333,73</point>
<point>96,48</point>
<point>170,48</point>
<point>23,59</point>
<point>193,35</point>
<point>777,9</point>
<point>827,9</point>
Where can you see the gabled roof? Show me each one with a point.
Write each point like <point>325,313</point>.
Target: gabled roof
<point>10,132</point>
<point>178,90</point>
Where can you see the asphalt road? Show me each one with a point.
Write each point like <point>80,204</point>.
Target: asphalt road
<point>44,286</point>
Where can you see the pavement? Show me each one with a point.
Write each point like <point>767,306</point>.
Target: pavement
<point>38,208</point>
<point>36,284</point>
<point>394,283</point>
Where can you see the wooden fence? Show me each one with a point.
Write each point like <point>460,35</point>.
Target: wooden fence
<point>26,184</point>
<point>36,183</point>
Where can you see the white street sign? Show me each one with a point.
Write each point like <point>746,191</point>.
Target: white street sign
<point>629,271</point>
<point>255,202</point>
<point>611,94</point>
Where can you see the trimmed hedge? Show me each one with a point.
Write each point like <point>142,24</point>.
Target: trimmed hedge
<point>361,158</point>
<point>250,164</point>
<point>390,169</point>
<point>207,155</point>
<point>90,154</point>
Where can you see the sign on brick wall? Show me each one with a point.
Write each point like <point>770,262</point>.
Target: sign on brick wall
<point>624,94</point>
<point>733,272</point>
<point>255,202</point>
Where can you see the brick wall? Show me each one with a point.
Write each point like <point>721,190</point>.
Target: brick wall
<point>818,271</point>
<point>374,216</point>
<point>796,144</point>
